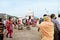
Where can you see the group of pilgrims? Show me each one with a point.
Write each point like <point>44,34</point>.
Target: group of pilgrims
<point>48,26</point>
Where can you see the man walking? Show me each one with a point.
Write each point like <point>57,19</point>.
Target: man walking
<point>1,29</point>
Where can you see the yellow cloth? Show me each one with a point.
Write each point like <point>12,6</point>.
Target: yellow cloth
<point>47,30</point>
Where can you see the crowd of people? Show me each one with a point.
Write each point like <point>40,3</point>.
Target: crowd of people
<point>48,26</point>
<point>9,23</point>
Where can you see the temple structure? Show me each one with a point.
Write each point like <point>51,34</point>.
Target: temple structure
<point>30,14</point>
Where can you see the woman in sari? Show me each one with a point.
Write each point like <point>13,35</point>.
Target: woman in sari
<point>47,29</point>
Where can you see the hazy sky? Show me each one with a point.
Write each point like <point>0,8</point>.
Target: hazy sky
<point>20,7</point>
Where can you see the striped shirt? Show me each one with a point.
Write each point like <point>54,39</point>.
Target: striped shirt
<point>1,27</point>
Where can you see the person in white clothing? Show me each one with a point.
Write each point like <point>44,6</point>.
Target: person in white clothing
<point>58,19</point>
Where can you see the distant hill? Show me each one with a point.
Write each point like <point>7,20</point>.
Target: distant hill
<point>3,15</point>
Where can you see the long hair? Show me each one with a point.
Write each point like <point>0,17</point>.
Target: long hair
<point>10,18</point>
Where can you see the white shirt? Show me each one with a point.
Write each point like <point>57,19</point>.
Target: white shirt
<point>4,22</point>
<point>58,19</point>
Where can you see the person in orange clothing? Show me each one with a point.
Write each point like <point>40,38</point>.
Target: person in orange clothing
<point>47,29</point>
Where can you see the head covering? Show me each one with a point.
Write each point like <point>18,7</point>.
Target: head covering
<point>47,29</point>
<point>46,18</point>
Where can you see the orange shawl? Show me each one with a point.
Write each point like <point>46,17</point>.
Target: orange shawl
<point>47,30</point>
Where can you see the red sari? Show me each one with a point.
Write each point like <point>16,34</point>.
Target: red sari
<point>28,22</point>
<point>9,27</point>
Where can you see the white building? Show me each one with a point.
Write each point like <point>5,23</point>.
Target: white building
<point>46,12</point>
<point>30,13</point>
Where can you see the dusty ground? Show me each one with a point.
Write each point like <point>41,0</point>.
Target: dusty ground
<point>32,34</point>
